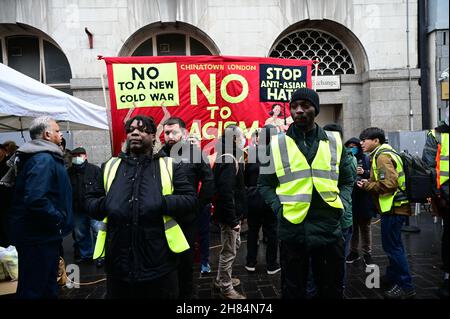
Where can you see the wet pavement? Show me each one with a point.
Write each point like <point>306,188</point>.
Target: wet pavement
<point>423,250</point>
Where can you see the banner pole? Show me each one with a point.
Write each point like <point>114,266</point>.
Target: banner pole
<point>130,111</point>
<point>108,113</point>
<point>316,65</point>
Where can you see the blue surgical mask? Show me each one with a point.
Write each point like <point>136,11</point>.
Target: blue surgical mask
<point>78,160</point>
<point>354,150</point>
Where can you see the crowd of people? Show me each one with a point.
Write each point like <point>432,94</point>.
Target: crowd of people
<point>310,193</point>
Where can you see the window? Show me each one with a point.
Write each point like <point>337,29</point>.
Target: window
<point>332,55</point>
<point>171,44</point>
<point>197,48</point>
<point>145,49</point>
<point>23,55</point>
<point>38,58</point>
<point>57,68</point>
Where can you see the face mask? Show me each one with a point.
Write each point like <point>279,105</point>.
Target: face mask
<point>446,116</point>
<point>77,160</point>
<point>354,150</point>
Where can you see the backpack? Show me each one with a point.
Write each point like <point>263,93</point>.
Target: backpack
<point>418,177</point>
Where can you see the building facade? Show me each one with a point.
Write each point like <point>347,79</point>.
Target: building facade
<point>368,48</point>
<point>437,34</point>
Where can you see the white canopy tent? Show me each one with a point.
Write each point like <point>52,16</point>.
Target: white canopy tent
<point>23,98</point>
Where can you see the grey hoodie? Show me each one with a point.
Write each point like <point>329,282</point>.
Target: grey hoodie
<point>32,147</point>
<point>40,145</point>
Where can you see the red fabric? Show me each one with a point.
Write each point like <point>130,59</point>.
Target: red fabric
<point>249,113</point>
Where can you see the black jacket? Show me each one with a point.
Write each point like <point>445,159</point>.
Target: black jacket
<point>196,167</point>
<point>136,247</point>
<point>429,157</point>
<point>256,204</point>
<point>82,177</point>
<point>231,198</point>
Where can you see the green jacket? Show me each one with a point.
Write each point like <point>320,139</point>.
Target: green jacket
<point>322,224</point>
<point>346,194</point>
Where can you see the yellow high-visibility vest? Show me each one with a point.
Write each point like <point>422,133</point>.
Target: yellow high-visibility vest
<point>398,198</point>
<point>297,178</point>
<point>441,157</point>
<point>174,235</point>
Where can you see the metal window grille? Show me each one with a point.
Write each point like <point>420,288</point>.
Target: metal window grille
<point>333,56</point>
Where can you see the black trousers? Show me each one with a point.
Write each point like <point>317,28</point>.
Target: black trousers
<point>186,262</point>
<point>165,287</point>
<point>268,222</point>
<point>38,269</point>
<point>444,246</point>
<point>326,263</point>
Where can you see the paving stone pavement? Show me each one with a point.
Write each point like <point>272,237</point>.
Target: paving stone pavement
<point>423,254</point>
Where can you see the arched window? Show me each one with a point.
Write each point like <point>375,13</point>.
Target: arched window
<point>168,39</point>
<point>309,44</point>
<point>172,44</point>
<point>36,56</point>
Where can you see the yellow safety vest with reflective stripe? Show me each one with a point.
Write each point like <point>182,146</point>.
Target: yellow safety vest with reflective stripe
<point>108,176</point>
<point>398,198</point>
<point>174,235</point>
<point>441,157</point>
<point>297,178</point>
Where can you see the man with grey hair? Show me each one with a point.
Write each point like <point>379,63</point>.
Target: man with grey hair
<point>41,211</point>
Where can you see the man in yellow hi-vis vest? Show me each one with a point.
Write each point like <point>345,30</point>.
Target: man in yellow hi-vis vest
<point>387,184</point>
<point>199,175</point>
<point>306,172</point>
<point>435,155</point>
<point>143,197</point>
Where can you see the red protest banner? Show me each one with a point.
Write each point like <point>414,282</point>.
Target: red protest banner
<point>207,92</point>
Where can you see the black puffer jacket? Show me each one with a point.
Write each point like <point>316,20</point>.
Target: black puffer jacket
<point>256,204</point>
<point>82,177</point>
<point>195,166</point>
<point>136,247</point>
<point>429,157</point>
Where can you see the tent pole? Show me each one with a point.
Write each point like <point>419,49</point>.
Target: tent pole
<point>108,113</point>
<point>21,129</point>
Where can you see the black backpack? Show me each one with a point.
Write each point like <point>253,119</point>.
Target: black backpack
<point>418,177</point>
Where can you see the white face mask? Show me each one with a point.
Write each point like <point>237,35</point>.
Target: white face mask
<point>446,116</point>
<point>78,160</point>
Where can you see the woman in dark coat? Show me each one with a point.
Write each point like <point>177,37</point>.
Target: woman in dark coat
<point>363,208</point>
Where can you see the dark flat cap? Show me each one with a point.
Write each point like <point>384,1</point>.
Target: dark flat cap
<point>78,150</point>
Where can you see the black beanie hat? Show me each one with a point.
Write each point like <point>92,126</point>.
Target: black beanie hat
<point>306,95</point>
